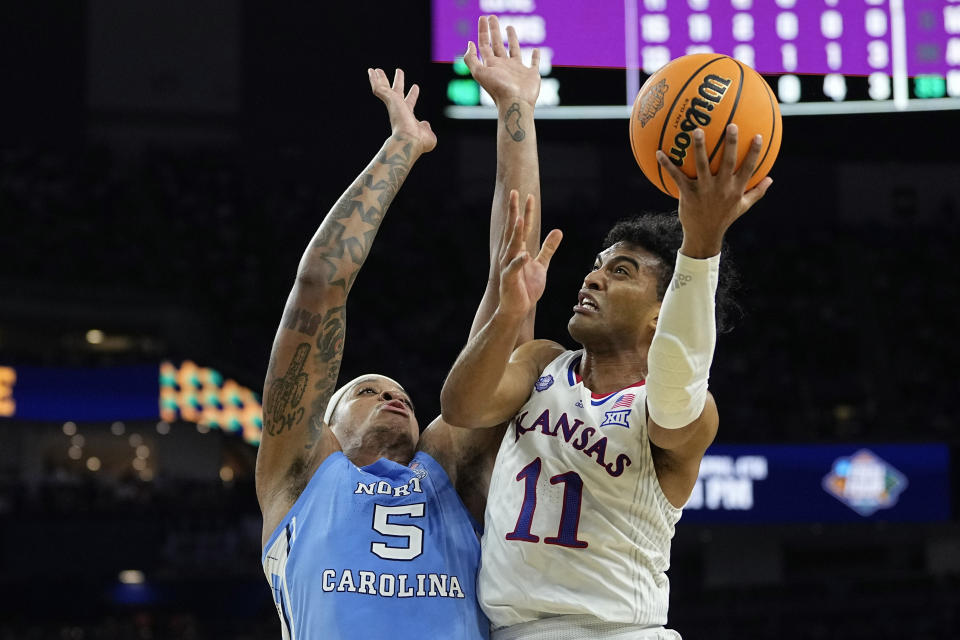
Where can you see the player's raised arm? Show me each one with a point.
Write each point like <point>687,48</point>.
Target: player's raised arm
<point>490,380</point>
<point>467,454</point>
<point>305,360</point>
<point>683,416</point>
<point>514,88</point>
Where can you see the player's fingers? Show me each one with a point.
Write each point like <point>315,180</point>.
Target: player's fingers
<point>506,235</point>
<point>751,197</point>
<point>511,217</point>
<point>412,96</point>
<point>517,234</point>
<point>700,154</point>
<point>750,161</point>
<point>514,42</point>
<point>496,37</point>
<point>672,170</point>
<point>515,265</point>
<point>550,244</point>
<point>398,81</point>
<point>378,83</point>
<point>529,206</point>
<point>383,84</point>
<point>731,141</point>
<point>517,231</point>
<point>535,59</point>
<point>483,38</point>
<point>483,32</point>
<point>470,58</point>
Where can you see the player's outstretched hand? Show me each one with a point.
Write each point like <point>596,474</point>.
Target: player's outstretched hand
<point>710,203</point>
<point>522,277</point>
<point>400,108</point>
<point>499,71</point>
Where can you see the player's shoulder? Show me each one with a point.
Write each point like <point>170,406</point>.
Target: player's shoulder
<point>424,462</point>
<point>537,353</point>
<point>303,482</point>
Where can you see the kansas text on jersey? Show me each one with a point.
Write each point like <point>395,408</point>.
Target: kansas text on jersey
<point>576,521</point>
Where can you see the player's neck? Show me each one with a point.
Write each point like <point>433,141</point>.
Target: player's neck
<point>368,457</point>
<point>606,372</point>
<point>382,444</point>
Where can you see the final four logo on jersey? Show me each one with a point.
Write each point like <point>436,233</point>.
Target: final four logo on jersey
<point>617,416</point>
<point>543,383</point>
<point>418,470</point>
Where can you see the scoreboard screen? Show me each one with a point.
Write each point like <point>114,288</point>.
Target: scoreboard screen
<point>779,483</point>
<point>820,56</point>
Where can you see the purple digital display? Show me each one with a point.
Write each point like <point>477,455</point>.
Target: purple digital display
<point>850,37</point>
<point>933,36</point>
<point>578,34</point>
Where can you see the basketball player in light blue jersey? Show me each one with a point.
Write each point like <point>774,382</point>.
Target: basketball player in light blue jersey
<point>604,443</point>
<point>364,533</point>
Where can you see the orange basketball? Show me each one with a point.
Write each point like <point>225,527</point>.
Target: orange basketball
<point>706,91</point>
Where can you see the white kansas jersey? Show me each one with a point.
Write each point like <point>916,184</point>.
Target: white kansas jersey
<point>576,521</point>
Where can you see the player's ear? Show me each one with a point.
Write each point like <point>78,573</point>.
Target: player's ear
<point>653,315</point>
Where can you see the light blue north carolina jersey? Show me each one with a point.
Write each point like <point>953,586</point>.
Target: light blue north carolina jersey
<point>382,551</point>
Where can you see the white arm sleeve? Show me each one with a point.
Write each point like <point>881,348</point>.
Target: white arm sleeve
<point>682,348</point>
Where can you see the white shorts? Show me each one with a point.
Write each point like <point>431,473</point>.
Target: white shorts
<point>581,627</point>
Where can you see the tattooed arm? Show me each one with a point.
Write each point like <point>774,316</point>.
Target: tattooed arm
<point>305,360</point>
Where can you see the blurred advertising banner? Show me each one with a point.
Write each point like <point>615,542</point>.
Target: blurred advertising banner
<point>822,483</point>
<point>94,394</point>
<point>170,392</point>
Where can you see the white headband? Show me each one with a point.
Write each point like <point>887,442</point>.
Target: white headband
<point>335,399</point>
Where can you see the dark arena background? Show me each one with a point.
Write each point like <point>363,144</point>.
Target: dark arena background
<point>162,167</point>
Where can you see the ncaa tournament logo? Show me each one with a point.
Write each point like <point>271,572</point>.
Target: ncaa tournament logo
<point>652,102</point>
<point>864,482</point>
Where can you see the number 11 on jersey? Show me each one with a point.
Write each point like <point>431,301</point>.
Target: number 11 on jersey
<point>569,516</point>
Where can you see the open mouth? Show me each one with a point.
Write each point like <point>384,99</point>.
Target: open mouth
<point>585,304</point>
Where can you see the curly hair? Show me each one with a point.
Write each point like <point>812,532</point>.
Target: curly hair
<point>661,235</point>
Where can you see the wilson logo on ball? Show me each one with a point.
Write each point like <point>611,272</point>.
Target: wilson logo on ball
<point>652,102</point>
<point>711,91</point>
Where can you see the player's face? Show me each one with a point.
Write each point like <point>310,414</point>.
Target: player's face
<point>378,416</point>
<point>617,304</point>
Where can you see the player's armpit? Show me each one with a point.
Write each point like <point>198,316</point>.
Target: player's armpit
<point>677,453</point>
<point>467,455</point>
<point>463,407</point>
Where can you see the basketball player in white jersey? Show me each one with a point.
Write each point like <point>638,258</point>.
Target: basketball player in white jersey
<point>604,443</point>
<point>362,533</point>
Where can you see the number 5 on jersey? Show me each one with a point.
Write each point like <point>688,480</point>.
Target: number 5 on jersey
<point>383,526</point>
<point>569,517</point>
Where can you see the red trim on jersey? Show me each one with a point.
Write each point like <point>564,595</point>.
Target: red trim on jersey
<point>575,368</point>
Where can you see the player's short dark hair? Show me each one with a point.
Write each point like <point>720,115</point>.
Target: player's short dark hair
<point>661,235</point>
